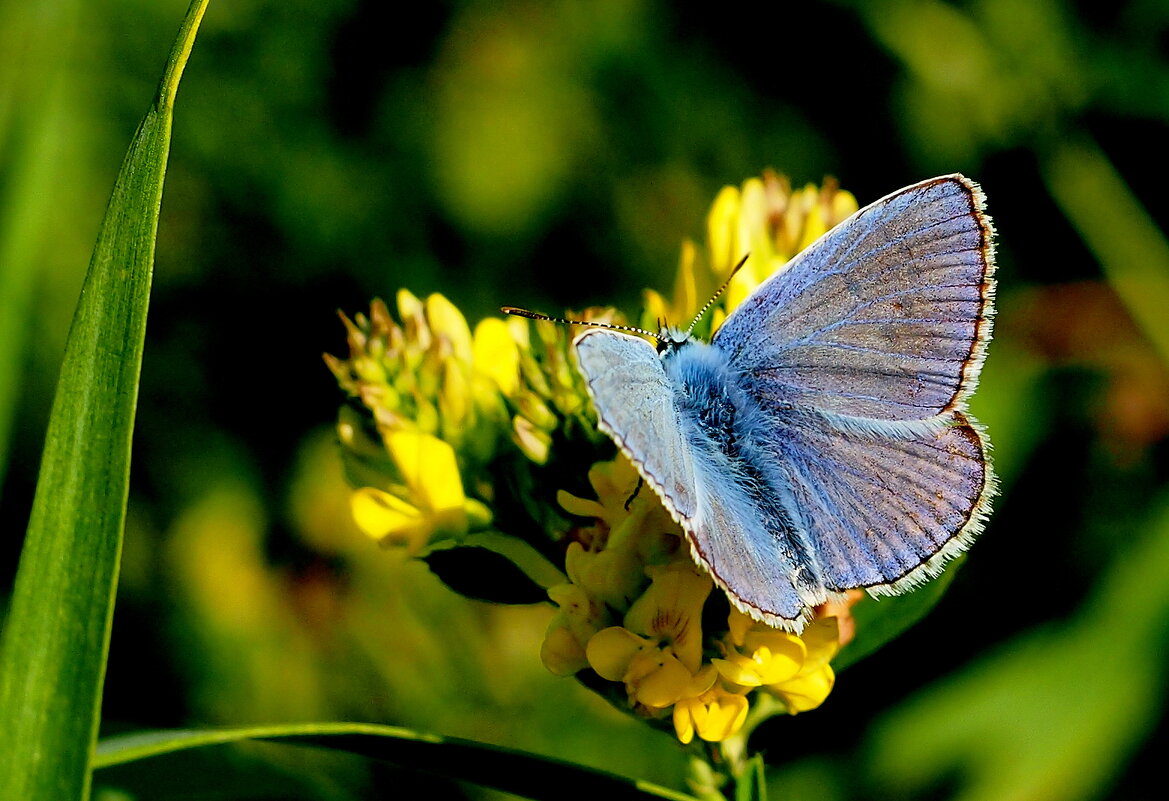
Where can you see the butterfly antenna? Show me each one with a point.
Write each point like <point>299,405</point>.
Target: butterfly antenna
<point>531,315</point>
<point>716,295</point>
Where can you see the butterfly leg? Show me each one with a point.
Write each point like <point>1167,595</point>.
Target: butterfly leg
<point>637,489</point>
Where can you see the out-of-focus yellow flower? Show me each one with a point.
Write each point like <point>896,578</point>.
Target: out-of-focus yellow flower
<point>763,218</point>
<point>772,223</point>
<point>550,396</point>
<point>495,351</point>
<point>430,374</point>
<point>429,501</point>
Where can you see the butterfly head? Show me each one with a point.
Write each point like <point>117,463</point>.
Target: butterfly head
<point>671,339</point>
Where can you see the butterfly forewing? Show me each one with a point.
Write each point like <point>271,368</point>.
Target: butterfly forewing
<point>885,317</point>
<point>635,405</point>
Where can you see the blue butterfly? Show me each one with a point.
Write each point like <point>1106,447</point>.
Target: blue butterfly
<point>820,442</point>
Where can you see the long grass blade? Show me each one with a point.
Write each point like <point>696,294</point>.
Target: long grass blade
<point>54,646</point>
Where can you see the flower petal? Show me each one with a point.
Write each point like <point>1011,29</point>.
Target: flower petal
<point>671,609</point>
<point>738,669</point>
<point>454,399</point>
<point>724,716</point>
<point>561,652</point>
<point>822,639</point>
<point>610,652</point>
<point>702,682</point>
<point>388,518</point>
<point>665,685</point>
<point>721,229</point>
<point>684,721</point>
<point>581,507</point>
<point>806,692</point>
<point>534,442</point>
<point>780,655</point>
<point>413,316</point>
<point>428,466</point>
<point>448,324</point>
<point>495,353</point>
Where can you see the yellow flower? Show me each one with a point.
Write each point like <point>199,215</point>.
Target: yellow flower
<point>795,670</point>
<point>577,619</point>
<point>815,680</point>
<point>614,483</point>
<point>771,657</point>
<point>652,673</point>
<point>495,351</point>
<point>711,711</point>
<point>658,650</point>
<point>429,500</point>
<point>430,374</point>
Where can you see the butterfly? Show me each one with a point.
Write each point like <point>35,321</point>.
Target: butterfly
<point>820,441</point>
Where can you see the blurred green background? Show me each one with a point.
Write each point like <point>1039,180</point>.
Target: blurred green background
<point>554,154</point>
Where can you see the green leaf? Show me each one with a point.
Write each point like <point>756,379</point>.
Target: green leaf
<point>1117,228</point>
<point>34,116</point>
<point>525,774</point>
<point>484,575</point>
<point>53,652</point>
<point>1053,713</point>
<point>495,567</point>
<point>880,620</point>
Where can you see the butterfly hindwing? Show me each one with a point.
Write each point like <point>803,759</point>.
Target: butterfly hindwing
<point>884,512</point>
<point>753,553</point>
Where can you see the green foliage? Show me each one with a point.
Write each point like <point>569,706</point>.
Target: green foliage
<point>55,642</point>
<point>32,117</point>
<point>1006,721</point>
<point>878,621</point>
<point>503,769</point>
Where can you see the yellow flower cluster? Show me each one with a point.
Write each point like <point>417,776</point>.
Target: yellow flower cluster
<point>436,395</point>
<point>550,398</point>
<point>445,404</point>
<point>633,611</point>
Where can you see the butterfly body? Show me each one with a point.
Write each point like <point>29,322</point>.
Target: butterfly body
<point>732,439</point>
<point>820,442</point>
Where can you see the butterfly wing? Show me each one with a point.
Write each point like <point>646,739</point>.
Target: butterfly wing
<point>886,316</point>
<point>748,548</point>
<point>861,352</point>
<point>885,513</point>
<point>635,406</point>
